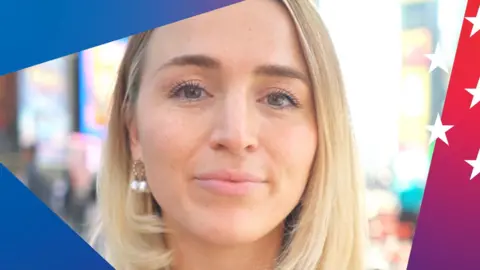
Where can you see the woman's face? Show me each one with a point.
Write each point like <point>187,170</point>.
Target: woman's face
<point>225,122</point>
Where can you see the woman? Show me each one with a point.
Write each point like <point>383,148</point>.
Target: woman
<point>230,147</point>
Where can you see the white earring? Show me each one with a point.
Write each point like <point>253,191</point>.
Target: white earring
<point>140,186</point>
<point>139,183</point>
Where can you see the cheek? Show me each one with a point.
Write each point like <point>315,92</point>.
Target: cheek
<point>167,146</point>
<point>292,154</point>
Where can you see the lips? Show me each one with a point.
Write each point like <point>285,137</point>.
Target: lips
<point>229,183</point>
<point>234,176</point>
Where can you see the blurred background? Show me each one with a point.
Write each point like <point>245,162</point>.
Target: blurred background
<point>52,116</point>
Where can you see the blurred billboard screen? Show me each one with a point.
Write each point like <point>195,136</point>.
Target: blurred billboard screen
<point>45,110</point>
<point>98,68</point>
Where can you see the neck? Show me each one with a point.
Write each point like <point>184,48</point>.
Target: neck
<point>191,253</point>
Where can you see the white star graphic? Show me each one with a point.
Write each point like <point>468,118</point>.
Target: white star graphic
<point>437,60</point>
<point>476,165</point>
<point>475,92</point>
<point>476,23</point>
<point>438,131</point>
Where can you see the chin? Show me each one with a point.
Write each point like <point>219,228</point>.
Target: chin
<point>222,230</point>
<point>228,236</point>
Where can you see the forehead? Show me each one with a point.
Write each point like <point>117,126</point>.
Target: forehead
<point>260,29</point>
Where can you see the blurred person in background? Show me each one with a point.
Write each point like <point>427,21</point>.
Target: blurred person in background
<point>33,177</point>
<point>229,146</point>
<point>376,257</point>
<point>80,189</point>
<point>387,249</point>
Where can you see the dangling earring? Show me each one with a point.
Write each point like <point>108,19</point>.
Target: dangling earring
<point>139,183</point>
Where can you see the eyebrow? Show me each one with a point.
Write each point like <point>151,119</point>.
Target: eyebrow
<point>282,71</point>
<point>193,60</point>
<point>208,62</point>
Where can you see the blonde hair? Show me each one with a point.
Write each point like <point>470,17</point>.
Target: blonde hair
<point>329,230</point>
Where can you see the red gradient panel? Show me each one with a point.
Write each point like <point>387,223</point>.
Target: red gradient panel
<point>448,231</point>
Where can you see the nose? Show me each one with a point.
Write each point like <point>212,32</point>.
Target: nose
<point>235,128</point>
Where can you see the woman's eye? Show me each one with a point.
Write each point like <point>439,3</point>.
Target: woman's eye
<point>192,92</point>
<point>189,91</point>
<point>280,100</point>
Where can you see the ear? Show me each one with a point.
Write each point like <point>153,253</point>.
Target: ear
<point>133,136</point>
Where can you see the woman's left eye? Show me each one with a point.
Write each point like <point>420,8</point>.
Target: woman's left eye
<point>281,100</point>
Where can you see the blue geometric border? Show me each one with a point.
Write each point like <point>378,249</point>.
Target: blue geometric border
<point>34,237</point>
<point>34,31</point>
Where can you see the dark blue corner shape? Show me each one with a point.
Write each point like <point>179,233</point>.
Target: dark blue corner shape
<point>33,237</point>
<point>35,31</point>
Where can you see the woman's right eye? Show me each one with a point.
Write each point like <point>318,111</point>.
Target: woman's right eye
<point>190,91</point>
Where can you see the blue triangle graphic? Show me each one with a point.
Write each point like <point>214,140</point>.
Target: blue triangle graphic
<point>34,237</point>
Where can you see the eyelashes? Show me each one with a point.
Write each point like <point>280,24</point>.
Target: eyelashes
<point>281,99</point>
<point>189,91</point>
<point>194,91</point>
